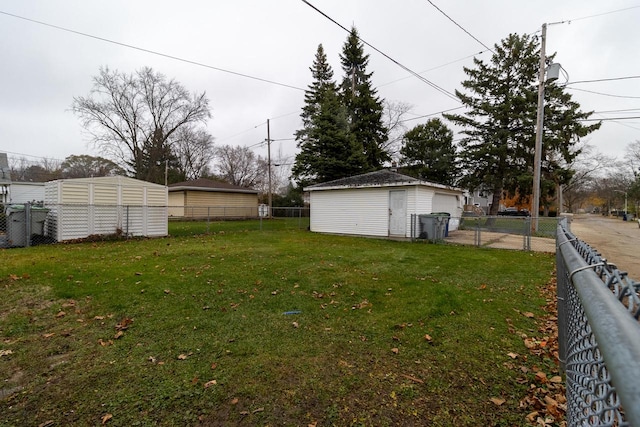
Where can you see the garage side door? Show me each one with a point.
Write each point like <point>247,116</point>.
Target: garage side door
<point>397,213</point>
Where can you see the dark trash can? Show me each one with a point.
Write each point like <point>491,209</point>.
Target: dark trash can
<point>432,227</point>
<point>446,216</point>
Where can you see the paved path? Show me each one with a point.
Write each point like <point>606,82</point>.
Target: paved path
<point>616,240</point>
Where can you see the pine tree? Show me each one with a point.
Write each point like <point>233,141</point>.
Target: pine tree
<point>364,107</point>
<point>498,148</point>
<point>328,151</point>
<point>428,152</point>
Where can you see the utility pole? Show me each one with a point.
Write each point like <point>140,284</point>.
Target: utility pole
<point>166,172</point>
<point>269,165</point>
<point>537,159</point>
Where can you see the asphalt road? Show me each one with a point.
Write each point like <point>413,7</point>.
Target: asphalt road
<point>616,240</point>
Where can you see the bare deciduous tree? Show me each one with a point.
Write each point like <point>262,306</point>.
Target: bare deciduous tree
<point>394,120</point>
<point>194,151</point>
<point>133,117</point>
<point>24,170</point>
<point>240,166</point>
<point>85,166</point>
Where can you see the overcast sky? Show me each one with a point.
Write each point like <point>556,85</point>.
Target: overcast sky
<point>42,68</point>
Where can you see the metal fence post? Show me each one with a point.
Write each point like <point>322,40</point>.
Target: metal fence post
<point>27,224</point>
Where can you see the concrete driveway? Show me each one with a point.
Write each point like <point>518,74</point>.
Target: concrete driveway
<point>614,239</point>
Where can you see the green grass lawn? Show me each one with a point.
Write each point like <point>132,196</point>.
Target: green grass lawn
<point>266,328</point>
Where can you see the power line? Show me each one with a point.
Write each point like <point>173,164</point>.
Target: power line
<point>429,115</point>
<point>604,13</point>
<point>460,26</point>
<point>604,94</point>
<point>610,119</point>
<point>602,80</point>
<point>617,111</point>
<point>434,68</point>
<point>418,76</point>
<point>153,52</point>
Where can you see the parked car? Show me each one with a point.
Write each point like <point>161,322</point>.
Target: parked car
<point>514,212</point>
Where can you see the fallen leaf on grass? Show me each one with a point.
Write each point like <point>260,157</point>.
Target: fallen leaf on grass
<point>234,401</point>
<point>295,325</point>
<point>497,401</point>
<point>428,338</point>
<point>395,350</point>
<point>210,383</point>
<point>106,418</point>
<point>182,357</point>
<point>512,355</point>
<point>5,352</point>
<point>48,335</point>
<point>61,314</point>
<point>528,314</point>
<point>556,379</point>
<point>118,335</point>
<point>412,378</point>
<point>124,324</point>
<point>105,343</point>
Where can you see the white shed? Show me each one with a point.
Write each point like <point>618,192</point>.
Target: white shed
<point>379,204</point>
<point>105,205</point>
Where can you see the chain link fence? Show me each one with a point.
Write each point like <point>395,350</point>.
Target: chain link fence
<point>598,334</point>
<point>216,219</point>
<point>32,224</point>
<point>502,232</point>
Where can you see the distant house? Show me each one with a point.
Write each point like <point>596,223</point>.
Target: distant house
<point>23,192</point>
<point>378,204</point>
<point>204,198</point>
<point>5,178</point>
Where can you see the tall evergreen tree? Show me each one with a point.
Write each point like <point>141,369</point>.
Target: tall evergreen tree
<point>328,150</point>
<point>364,107</point>
<point>498,148</point>
<point>428,152</point>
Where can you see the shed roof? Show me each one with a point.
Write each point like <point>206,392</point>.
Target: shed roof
<point>210,185</point>
<point>381,178</point>
<point>107,180</point>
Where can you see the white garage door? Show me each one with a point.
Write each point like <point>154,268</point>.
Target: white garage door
<point>446,203</point>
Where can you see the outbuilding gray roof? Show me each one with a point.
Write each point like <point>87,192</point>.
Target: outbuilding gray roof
<point>204,184</point>
<point>381,178</point>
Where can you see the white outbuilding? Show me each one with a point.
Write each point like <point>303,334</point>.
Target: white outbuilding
<point>380,204</point>
<point>83,207</point>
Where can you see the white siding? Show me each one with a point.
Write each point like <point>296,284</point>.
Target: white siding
<point>447,202</point>
<point>105,205</point>
<point>23,192</point>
